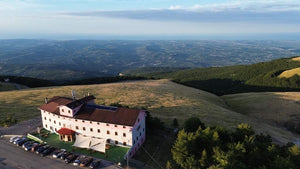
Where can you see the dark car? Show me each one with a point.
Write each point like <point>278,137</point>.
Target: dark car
<point>79,159</point>
<point>27,143</point>
<point>95,164</point>
<point>28,147</point>
<point>41,149</point>
<point>20,143</point>
<point>19,140</point>
<point>16,139</point>
<point>56,153</point>
<point>64,155</point>
<point>35,147</point>
<point>86,162</point>
<point>48,151</point>
<point>70,158</point>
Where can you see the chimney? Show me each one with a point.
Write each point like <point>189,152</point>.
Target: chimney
<point>46,100</point>
<point>73,94</point>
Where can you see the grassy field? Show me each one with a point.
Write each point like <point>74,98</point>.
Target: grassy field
<point>290,73</point>
<point>271,108</point>
<point>168,100</point>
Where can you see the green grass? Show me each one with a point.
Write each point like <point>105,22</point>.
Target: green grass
<point>114,153</point>
<point>7,87</point>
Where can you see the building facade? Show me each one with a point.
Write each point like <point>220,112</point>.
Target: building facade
<point>118,126</point>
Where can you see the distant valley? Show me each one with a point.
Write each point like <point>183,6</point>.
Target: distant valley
<point>68,60</point>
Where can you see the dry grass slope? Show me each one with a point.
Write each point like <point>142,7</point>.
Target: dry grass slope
<point>291,72</point>
<point>271,108</point>
<point>163,98</point>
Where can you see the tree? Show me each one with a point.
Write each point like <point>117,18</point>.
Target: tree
<point>175,122</point>
<point>192,124</point>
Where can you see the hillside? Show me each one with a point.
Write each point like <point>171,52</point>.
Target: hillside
<point>275,108</point>
<point>290,73</point>
<point>67,60</point>
<point>236,79</point>
<point>163,98</point>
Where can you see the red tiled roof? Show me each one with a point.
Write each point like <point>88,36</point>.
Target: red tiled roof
<point>52,105</point>
<point>65,131</point>
<point>122,116</point>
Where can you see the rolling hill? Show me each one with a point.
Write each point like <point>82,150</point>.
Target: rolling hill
<point>163,98</point>
<point>257,77</point>
<point>68,60</point>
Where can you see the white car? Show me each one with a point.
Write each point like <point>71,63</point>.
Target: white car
<point>12,139</point>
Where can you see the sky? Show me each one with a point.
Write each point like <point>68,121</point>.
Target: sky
<point>148,18</point>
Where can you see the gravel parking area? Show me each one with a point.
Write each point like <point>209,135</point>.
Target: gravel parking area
<point>22,128</point>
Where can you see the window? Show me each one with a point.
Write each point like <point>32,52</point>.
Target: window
<point>107,132</point>
<point>138,119</point>
<point>116,142</point>
<point>50,120</point>
<point>45,118</point>
<point>82,121</point>
<point>140,133</point>
<point>77,127</point>
<point>108,140</point>
<point>107,124</point>
<point>91,122</point>
<point>116,133</point>
<point>91,129</point>
<point>75,119</point>
<point>124,143</point>
<point>98,130</point>
<point>64,125</point>
<point>59,123</point>
<point>116,125</point>
<point>137,138</point>
<point>54,122</point>
<point>55,130</point>
<point>62,110</point>
<point>69,111</point>
<point>58,116</point>
<point>83,128</point>
<point>138,128</point>
<point>46,126</point>
<point>133,141</point>
<point>98,123</point>
<point>124,127</point>
<point>124,134</point>
<point>143,129</point>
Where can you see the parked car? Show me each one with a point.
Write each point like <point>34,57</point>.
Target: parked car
<point>19,139</point>
<point>95,164</point>
<point>64,155</point>
<point>21,142</point>
<point>70,158</point>
<point>41,149</point>
<point>27,142</point>
<point>35,147</point>
<point>86,162</point>
<point>47,151</point>
<point>57,152</point>
<point>28,147</point>
<point>79,159</point>
<point>12,139</point>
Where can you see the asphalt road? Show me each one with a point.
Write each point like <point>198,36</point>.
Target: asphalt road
<point>14,157</point>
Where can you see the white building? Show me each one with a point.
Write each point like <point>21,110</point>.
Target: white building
<point>118,126</point>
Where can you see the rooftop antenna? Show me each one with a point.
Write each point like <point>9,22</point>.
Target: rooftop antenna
<point>73,94</point>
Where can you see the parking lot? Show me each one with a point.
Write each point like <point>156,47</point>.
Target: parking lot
<point>14,157</point>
